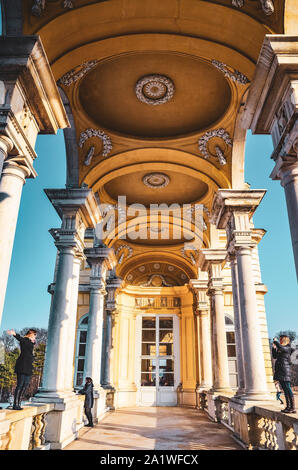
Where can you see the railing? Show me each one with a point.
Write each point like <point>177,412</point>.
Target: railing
<point>24,429</point>
<point>157,302</point>
<point>257,427</point>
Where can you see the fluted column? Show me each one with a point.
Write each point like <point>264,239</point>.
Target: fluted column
<point>237,324</point>
<point>98,260</point>
<point>113,283</point>
<point>11,186</point>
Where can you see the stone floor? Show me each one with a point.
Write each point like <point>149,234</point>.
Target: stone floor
<point>162,428</point>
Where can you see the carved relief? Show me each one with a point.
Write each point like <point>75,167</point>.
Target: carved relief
<point>155,89</point>
<point>203,143</point>
<point>267,5</point>
<point>76,73</point>
<point>106,141</point>
<point>233,74</point>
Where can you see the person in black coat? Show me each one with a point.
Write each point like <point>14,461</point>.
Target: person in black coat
<point>281,351</point>
<point>24,364</point>
<point>89,400</point>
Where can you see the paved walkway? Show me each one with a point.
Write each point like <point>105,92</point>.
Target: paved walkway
<point>164,428</point>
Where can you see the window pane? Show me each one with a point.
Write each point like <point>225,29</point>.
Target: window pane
<point>82,349</point>
<point>148,322</point>
<point>81,364</point>
<point>148,380</point>
<point>166,379</point>
<point>166,365</point>
<point>166,349</point>
<point>79,378</point>
<point>148,335</point>
<point>165,336</point>
<point>163,301</point>
<point>148,349</point>
<point>176,301</point>
<point>166,323</point>
<point>85,321</point>
<point>231,337</point>
<point>148,365</point>
<point>231,351</point>
<point>83,336</point>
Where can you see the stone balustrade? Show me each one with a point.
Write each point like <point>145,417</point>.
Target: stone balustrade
<point>255,427</point>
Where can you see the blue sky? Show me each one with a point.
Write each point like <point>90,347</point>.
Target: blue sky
<point>32,266</point>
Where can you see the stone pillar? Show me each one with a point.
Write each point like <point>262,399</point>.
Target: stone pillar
<point>272,108</point>
<point>211,260</point>
<point>204,335</point>
<point>29,103</point>
<point>232,210</point>
<point>237,324</point>
<point>11,186</point>
<point>113,283</point>
<point>286,170</point>
<point>75,206</point>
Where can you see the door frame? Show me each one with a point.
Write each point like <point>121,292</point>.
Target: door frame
<point>138,355</point>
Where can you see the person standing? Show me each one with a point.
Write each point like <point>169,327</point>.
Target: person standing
<point>24,364</point>
<point>281,351</point>
<point>89,400</point>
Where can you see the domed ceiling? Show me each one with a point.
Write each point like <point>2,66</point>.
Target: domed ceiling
<point>154,95</point>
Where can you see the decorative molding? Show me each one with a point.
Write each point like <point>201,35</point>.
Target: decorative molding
<point>76,73</point>
<point>154,89</point>
<point>38,7</point>
<point>122,247</point>
<point>161,277</point>
<point>267,5</point>
<point>156,180</point>
<point>235,76</point>
<point>191,256</point>
<point>88,133</point>
<point>68,4</point>
<point>203,141</point>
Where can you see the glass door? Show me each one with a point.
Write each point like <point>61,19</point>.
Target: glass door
<point>157,371</point>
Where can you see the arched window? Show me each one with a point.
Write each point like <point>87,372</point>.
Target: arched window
<point>80,351</point>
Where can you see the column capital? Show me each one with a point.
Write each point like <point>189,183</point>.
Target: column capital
<point>286,169</point>
<point>212,260</point>
<point>71,202</point>
<point>100,259</point>
<point>6,144</point>
<point>14,166</point>
<point>200,287</point>
<point>113,283</point>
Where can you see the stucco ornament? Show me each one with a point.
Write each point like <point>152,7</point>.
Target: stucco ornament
<point>106,141</point>
<point>156,180</point>
<point>267,5</point>
<point>203,143</point>
<point>38,7</point>
<point>121,250</point>
<point>76,73</point>
<point>234,75</point>
<point>154,89</point>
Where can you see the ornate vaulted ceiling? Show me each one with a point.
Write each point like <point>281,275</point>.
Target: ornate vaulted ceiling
<point>154,90</point>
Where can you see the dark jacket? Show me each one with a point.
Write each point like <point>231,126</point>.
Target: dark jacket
<point>282,369</point>
<point>24,363</point>
<point>88,392</point>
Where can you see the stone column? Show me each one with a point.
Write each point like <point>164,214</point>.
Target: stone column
<point>98,260</point>
<point>253,357</point>
<point>75,208</point>
<point>237,323</point>
<point>286,170</point>
<point>29,103</point>
<point>203,327</point>
<point>113,283</point>
<point>232,210</point>
<point>11,186</point>
<point>272,108</point>
<point>211,260</point>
